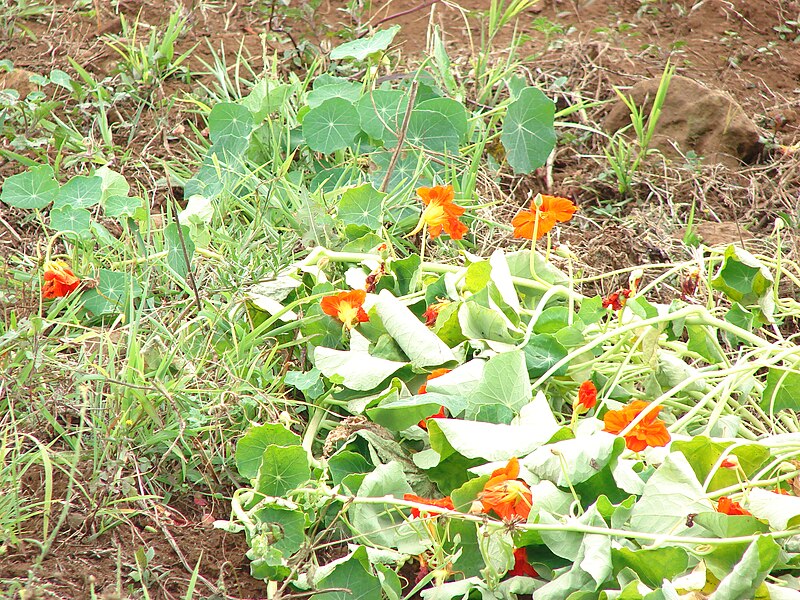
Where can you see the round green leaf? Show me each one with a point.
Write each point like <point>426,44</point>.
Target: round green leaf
<point>111,293</point>
<point>79,192</point>
<point>438,124</point>
<point>326,87</point>
<point>177,259</point>
<point>528,135</point>
<point>362,206</point>
<point>32,189</point>
<point>68,218</point>
<point>229,120</point>
<point>381,113</point>
<point>250,448</point>
<point>331,126</point>
<point>122,206</point>
<point>266,97</point>
<point>283,468</point>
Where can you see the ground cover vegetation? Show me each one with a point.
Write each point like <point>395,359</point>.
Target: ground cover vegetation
<point>325,335</point>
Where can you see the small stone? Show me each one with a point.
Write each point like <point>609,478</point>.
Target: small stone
<point>694,117</point>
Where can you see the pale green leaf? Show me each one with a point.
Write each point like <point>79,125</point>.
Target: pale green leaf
<point>179,254</point>
<point>491,441</point>
<point>353,576</point>
<point>326,87</point>
<point>266,97</point>
<point>671,494</point>
<point>228,119</point>
<point>505,382</point>
<point>377,523</point>
<point>423,347</point>
<point>77,220</point>
<point>356,370</point>
<point>381,112</point>
<point>113,184</point>
<point>571,461</point>
<point>362,48</point>
<point>748,575</point>
<point>778,509</point>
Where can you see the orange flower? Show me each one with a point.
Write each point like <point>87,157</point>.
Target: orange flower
<point>650,431</point>
<point>587,397</point>
<point>59,280</point>
<point>730,463</point>
<point>423,389</point>
<point>729,507</point>
<point>509,497</point>
<point>553,210</point>
<point>618,299</point>
<point>445,502</point>
<point>522,568</point>
<point>440,213</point>
<point>347,307</point>
<point>780,490</point>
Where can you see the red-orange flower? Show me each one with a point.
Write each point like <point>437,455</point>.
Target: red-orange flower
<point>439,415</point>
<point>587,397</point>
<point>618,299</point>
<point>553,210</point>
<point>730,463</point>
<point>522,568</point>
<point>59,280</point>
<point>445,502</point>
<point>432,312</point>
<point>650,431</point>
<point>509,497</point>
<point>780,490</point>
<point>347,307</point>
<point>423,389</point>
<point>729,507</point>
<point>440,213</point>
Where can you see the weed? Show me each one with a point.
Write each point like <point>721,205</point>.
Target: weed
<point>625,156</point>
<point>12,12</point>
<point>146,66</point>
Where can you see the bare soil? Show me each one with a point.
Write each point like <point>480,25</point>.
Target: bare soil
<point>744,47</point>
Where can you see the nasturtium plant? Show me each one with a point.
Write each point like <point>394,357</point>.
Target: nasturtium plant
<point>446,419</point>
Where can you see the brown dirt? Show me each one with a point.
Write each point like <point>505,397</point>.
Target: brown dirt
<point>592,46</point>
<point>88,554</point>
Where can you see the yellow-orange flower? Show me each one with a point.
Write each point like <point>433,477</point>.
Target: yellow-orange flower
<point>440,213</point>
<point>347,307</point>
<point>553,210</point>
<point>650,431</point>
<point>509,497</point>
<point>59,280</point>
